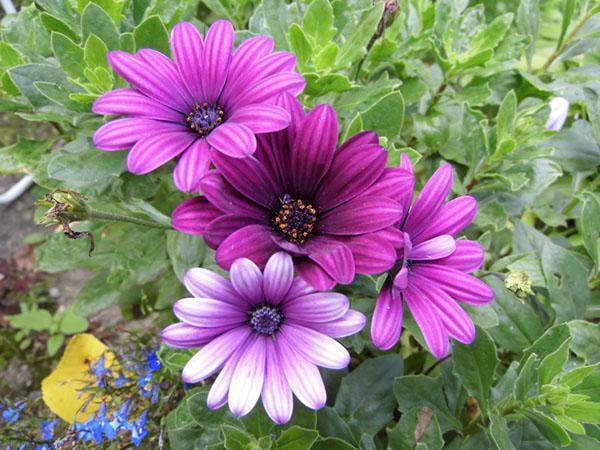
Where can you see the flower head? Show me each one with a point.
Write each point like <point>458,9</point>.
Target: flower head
<point>432,269</point>
<point>559,110</point>
<point>330,208</point>
<point>207,98</point>
<point>267,332</point>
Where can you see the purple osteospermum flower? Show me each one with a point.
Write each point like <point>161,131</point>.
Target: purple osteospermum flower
<point>266,333</point>
<point>330,209</point>
<point>433,268</point>
<point>207,98</point>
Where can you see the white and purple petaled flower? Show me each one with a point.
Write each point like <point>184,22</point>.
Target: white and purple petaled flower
<point>267,333</point>
<point>330,208</point>
<point>207,98</point>
<point>433,268</point>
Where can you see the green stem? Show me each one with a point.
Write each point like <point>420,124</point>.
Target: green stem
<point>114,217</point>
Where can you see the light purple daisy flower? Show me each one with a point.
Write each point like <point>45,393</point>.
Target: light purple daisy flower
<point>331,208</point>
<point>267,333</point>
<point>433,268</point>
<point>207,98</point>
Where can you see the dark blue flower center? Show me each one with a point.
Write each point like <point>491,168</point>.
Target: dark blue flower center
<point>265,320</point>
<point>205,118</point>
<point>295,220</point>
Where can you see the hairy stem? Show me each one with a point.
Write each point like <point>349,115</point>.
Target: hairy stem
<point>113,217</point>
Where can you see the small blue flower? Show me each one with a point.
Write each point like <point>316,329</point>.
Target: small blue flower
<point>121,380</point>
<point>100,371</point>
<point>153,361</point>
<point>47,429</point>
<point>12,415</point>
<point>120,421</point>
<point>138,430</point>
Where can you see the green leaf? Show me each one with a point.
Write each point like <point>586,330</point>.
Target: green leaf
<point>586,412</point>
<point>590,225</point>
<point>274,17</point>
<point>175,359</point>
<point>69,54</point>
<point>499,433</point>
<point>526,383</point>
<point>54,344</point>
<point>318,85</point>
<point>365,398</point>
<point>576,376</point>
<point>550,341</point>
<point>386,116</point>
<point>569,7</point>
<point>355,41</point>
<point>528,23</point>
<point>476,365</point>
<point>34,319</point>
<point>95,51</point>
<point>236,439</point>
<point>72,323</point>
<point>418,425</point>
<point>507,114</point>
<point>331,424</point>
<point>26,75</point>
<point>296,438</point>
<point>586,340</point>
<point>95,295</point>
<point>53,23</point>
<point>317,22</point>
<point>95,20</point>
<point>299,45</point>
<point>185,251</point>
<point>332,443</point>
<point>151,33</point>
<point>549,427</point>
<point>553,364</point>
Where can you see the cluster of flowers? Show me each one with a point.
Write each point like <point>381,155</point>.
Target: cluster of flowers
<point>278,195</point>
<point>12,414</point>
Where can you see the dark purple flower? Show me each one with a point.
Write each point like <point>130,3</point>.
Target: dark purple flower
<point>432,270</point>
<point>327,207</point>
<point>266,332</point>
<point>208,98</point>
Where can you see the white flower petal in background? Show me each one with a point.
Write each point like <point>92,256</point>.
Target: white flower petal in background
<point>559,109</point>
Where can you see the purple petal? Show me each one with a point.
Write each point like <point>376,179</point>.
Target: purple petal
<point>359,216</point>
<point>435,248</point>
<point>372,253</point>
<point>248,52</point>
<point>428,321</point>
<point>266,90</point>
<point>278,277</point>
<point>394,183</point>
<point>313,149</point>
<point>299,287</point>
<point>248,177</point>
<point>154,151</point>
<point>253,242</point>
<point>217,396</point>
<point>401,279</point>
<point>317,348</point>
<point>129,102</point>
<point>360,139</point>
<point>247,280</point>
<point>187,47</point>
<point>226,198</point>
<point>452,218</point>
<point>182,335</point>
<point>261,118</point>
<point>430,200</point>
<point>233,139</point>
<point>352,171</point>
<point>204,283</point>
<point>303,377</point>
<point>219,229</point>
<point>467,257</point>
<point>276,394</point>
<point>248,377</point>
<point>207,312</point>
<point>192,166</point>
<point>317,307</point>
<point>214,355</point>
<point>314,275</point>
<point>457,284</point>
<point>347,325</point>
<point>193,215</point>
<point>290,247</point>
<point>333,256</point>
<point>121,134</point>
<point>386,325</point>
<point>217,54</point>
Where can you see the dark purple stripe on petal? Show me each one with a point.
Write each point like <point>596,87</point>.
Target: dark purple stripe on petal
<point>192,166</point>
<point>276,394</point>
<point>248,52</point>
<point>361,139</point>
<point>233,139</point>
<point>121,134</point>
<point>467,257</point>
<point>252,241</point>
<point>452,218</point>
<point>265,90</point>
<point>187,47</point>
<point>261,118</point>
<point>248,378</point>
<point>193,215</point>
<point>154,151</point>
<point>217,54</point>
<point>129,102</point>
<point>394,183</point>
<point>278,277</point>
<point>386,325</point>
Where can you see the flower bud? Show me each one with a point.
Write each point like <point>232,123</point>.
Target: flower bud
<point>559,109</point>
<point>63,207</point>
<point>519,283</point>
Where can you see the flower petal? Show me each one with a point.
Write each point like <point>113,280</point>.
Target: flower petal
<point>467,257</point>
<point>247,280</point>
<point>192,166</point>
<point>317,307</point>
<point>217,396</point>
<point>299,287</point>
<point>303,377</point>
<point>233,139</point>
<point>386,325</point>
<point>207,312</point>
<point>214,355</point>
<point>394,183</point>
<point>435,248</point>
<point>205,283</point>
<point>249,51</point>
<point>187,47</point>
<point>121,134</point>
<point>152,152</point>
<point>314,275</point>
<point>276,393</point>
<point>225,197</point>
<point>129,102</point>
<point>313,149</point>
<point>261,118</point>
<point>333,256</point>
<point>266,90</point>
<point>219,229</point>
<point>182,335</point>
<point>430,200</point>
<point>428,321</point>
<point>193,215</point>
<point>216,57</point>
<point>278,277</point>
<point>457,284</point>
<point>361,138</point>
<point>372,253</point>
<point>248,378</point>
<point>350,323</point>
<point>253,242</point>
<point>401,279</point>
<point>317,348</point>
<point>452,218</point>
<point>359,216</point>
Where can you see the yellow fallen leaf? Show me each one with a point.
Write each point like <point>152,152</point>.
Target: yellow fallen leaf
<point>63,390</point>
